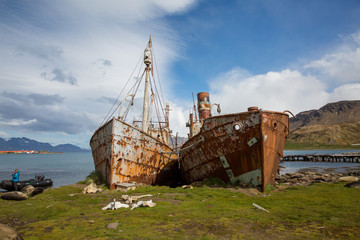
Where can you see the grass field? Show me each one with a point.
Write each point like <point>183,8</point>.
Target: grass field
<point>320,211</point>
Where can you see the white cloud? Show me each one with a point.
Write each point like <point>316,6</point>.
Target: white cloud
<point>129,11</point>
<point>346,92</point>
<point>343,64</point>
<point>80,50</point>
<point>18,123</point>
<point>4,134</point>
<point>279,91</point>
<point>294,90</point>
<point>178,118</point>
<point>174,6</point>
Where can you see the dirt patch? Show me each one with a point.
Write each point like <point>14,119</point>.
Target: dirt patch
<point>15,222</point>
<point>48,229</point>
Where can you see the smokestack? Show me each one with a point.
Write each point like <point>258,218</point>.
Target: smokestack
<point>204,105</point>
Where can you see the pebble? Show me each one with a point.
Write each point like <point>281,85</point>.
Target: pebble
<point>113,225</point>
<point>307,178</point>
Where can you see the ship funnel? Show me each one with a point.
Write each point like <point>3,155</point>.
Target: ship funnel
<point>204,105</point>
<point>253,109</point>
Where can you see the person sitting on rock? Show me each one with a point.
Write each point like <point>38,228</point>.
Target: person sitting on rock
<point>15,179</point>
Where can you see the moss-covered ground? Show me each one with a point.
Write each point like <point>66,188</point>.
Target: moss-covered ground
<point>320,211</point>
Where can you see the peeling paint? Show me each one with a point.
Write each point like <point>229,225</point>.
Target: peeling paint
<point>224,162</point>
<point>250,155</point>
<point>252,141</point>
<point>135,155</point>
<point>252,178</point>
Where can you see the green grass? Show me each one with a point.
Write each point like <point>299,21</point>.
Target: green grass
<point>320,211</point>
<point>95,177</point>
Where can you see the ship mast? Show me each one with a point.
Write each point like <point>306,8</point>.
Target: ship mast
<point>147,61</point>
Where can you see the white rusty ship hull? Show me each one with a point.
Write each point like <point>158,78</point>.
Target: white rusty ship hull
<point>243,148</point>
<point>123,153</point>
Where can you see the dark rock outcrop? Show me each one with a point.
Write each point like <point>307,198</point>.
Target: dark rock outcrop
<point>333,124</point>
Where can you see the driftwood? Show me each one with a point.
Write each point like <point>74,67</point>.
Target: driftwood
<point>261,208</point>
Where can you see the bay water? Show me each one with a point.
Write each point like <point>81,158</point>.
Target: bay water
<point>63,169</point>
<point>339,167</point>
<point>70,168</point>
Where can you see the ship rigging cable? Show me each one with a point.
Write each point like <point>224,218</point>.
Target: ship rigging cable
<point>158,99</point>
<point>108,115</point>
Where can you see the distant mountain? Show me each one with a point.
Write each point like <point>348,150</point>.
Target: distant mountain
<point>23,143</point>
<point>333,124</point>
<point>330,114</point>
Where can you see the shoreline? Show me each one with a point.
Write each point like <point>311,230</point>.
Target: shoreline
<point>28,152</point>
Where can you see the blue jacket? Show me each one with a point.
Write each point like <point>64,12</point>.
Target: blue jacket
<point>16,176</point>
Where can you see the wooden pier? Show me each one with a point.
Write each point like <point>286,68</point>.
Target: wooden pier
<point>351,158</point>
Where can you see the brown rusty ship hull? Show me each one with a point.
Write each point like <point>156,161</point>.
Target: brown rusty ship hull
<point>243,148</point>
<point>123,153</point>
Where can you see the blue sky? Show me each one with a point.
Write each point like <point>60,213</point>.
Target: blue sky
<point>61,60</point>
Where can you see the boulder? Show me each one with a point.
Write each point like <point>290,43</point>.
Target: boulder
<point>37,191</point>
<point>92,188</point>
<point>9,233</point>
<point>348,179</point>
<point>353,185</point>
<point>19,196</point>
<point>28,190</point>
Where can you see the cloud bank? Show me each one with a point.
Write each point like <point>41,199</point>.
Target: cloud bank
<point>333,77</point>
<point>62,62</point>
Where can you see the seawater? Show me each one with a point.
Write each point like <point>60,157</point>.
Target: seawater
<point>70,168</point>
<point>339,167</point>
<point>63,169</point>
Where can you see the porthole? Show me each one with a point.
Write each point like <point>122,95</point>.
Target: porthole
<point>274,126</point>
<point>237,127</point>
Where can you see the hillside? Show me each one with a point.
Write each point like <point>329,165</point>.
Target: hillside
<point>335,124</point>
<point>330,114</point>
<point>13,144</point>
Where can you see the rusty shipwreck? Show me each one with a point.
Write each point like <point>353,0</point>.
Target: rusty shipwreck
<point>138,152</point>
<point>242,148</point>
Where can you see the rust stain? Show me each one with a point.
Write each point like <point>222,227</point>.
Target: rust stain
<point>135,155</point>
<point>233,145</point>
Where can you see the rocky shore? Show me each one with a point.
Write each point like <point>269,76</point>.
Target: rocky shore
<point>307,178</point>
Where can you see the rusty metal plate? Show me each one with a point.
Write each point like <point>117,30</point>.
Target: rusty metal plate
<point>123,153</point>
<point>242,147</point>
